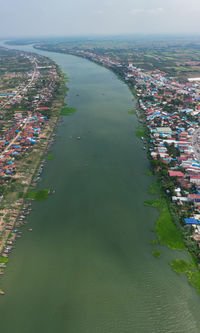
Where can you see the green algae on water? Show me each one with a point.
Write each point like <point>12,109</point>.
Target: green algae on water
<point>169,235</point>
<point>156,254</point>
<point>50,157</point>
<point>167,232</point>
<point>154,188</point>
<point>154,242</point>
<point>140,131</point>
<point>190,269</point>
<point>38,195</point>
<point>149,173</point>
<point>132,112</point>
<point>67,111</point>
<point>180,266</point>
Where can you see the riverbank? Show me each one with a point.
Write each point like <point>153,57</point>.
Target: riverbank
<point>168,227</point>
<point>16,205</point>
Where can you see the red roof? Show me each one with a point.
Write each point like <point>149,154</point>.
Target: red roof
<point>194,196</point>
<point>182,158</point>
<point>175,173</point>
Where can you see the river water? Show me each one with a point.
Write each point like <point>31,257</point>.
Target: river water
<point>87,267</point>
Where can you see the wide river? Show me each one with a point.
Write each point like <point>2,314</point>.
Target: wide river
<point>87,267</point>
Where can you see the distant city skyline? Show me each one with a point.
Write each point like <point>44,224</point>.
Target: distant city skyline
<point>22,18</point>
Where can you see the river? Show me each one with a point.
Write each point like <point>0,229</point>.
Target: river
<point>87,267</point>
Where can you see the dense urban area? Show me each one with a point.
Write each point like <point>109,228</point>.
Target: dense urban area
<point>32,90</point>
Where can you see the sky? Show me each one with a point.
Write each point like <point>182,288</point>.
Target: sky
<point>24,18</point>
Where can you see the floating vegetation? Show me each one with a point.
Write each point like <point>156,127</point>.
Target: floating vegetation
<point>156,254</point>
<point>149,173</point>
<point>190,269</point>
<point>140,131</point>
<point>67,111</point>
<point>154,188</point>
<point>167,232</point>
<point>180,266</point>
<point>154,242</point>
<point>50,157</point>
<point>132,112</point>
<point>169,235</point>
<point>38,195</point>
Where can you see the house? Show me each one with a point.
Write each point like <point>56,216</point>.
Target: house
<point>195,179</point>
<point>191,221</point>
<point>176,173</point>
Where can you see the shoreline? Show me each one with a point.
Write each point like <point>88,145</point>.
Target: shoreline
<point>39,153</point>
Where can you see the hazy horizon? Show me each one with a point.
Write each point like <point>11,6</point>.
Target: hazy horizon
<point>45,18</point>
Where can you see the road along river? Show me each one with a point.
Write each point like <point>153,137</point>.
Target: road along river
<point>87,267</point>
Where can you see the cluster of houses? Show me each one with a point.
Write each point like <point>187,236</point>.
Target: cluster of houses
<point>173,133</point>
<point>45,93</point>
<point>23,130</point>
<point>103,60</point>
<point>18,140</point>
<point>9,97</point>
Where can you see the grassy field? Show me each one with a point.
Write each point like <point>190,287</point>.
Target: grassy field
<point>3,260</point>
